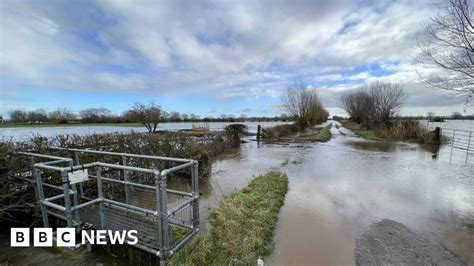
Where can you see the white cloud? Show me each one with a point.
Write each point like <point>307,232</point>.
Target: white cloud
<point>230,48</point>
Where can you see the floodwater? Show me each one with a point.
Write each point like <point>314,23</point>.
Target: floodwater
<point>336,190</point>
<point>25,133</point>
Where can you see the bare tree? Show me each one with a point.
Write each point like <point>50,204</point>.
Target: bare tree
<point>359,105</point>
<point>38,115</point>
<point>96,115</point>
<point>62,115</point>
<point>387,100</point>
<point>18,116</point>
<point>149,115</point>
<point>303,104</point>
<point>448,46</point>
<point>375,104</point>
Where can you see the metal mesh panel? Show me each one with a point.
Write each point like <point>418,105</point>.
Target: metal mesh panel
<point>143,197</point>
<point>146,225</point>
<point>183,217</point>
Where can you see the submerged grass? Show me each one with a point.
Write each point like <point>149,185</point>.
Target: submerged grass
<point>241,227</point>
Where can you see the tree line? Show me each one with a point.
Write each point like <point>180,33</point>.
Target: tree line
<point>104,115</point>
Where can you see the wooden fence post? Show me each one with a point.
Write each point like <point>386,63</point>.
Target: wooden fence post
<point>259,132</point>
<point>437,135</point>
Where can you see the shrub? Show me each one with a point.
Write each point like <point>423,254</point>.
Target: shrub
<point>280,131</point>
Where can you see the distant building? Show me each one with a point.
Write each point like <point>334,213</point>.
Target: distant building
<point>2,121</point>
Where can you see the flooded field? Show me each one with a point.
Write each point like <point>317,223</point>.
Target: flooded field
<point>453,124</point>
<point>25,133</point>
<point>336,190</point>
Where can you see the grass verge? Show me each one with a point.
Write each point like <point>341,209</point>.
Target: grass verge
<point>323,135</point>
<point>241,227</point>
<point>363,133</point>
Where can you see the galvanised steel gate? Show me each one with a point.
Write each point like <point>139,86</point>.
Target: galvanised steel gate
<point>461,144</point>
<point>120,191</point>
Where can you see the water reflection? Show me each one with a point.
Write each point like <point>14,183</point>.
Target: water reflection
<point>340,187</point>
<point>350,183</point>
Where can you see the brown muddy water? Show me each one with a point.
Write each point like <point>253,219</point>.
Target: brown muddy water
<point>336,190</point>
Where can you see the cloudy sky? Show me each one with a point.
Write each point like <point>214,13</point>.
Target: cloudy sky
<point>208,58</point>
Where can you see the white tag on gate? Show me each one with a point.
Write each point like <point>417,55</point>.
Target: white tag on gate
<point>78,176</point>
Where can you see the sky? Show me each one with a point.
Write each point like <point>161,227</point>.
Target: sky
<point>209,57</point>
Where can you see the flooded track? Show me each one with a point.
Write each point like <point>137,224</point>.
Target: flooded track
<point>338,188</point>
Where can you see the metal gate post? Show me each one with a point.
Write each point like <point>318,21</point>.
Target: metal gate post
<point>76,159</point>
<point>195,187</point>
<point>75,199</point>
<point>67,199</point>
<point>33,179</point>
<point>162,208</point>
<point>125,178</point>
<point>39,184</point>
<point>100,195</point>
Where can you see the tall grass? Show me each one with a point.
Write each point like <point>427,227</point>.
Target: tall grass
<point>399,130</point>
<point>241,227</point>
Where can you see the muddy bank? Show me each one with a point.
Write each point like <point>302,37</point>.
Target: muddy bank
<point>390,242</point>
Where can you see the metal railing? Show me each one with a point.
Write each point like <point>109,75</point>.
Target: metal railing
<point>460,141</point>
<point>119,196</point>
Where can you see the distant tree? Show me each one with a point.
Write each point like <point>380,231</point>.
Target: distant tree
<point>17,116</point>
<point>456,115</point>
<point>165,116</point>
<point>38,115</point>
<point>62,115</point>
<point>95,115</point>
<point>302,103</point>
<point>185,117</point>
<point>194,117</point>
<point>430,115</point>
<point>149,115</point>
<point>448,46</point>
<point>175,116</point>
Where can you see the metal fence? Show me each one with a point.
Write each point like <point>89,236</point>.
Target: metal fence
<point>461,143</point>
<point>127,192</point>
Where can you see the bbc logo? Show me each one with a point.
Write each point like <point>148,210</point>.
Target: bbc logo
<point>42,237</point>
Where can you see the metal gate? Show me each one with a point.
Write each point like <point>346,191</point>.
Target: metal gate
<point>461,143</point>
<point>119,192</point>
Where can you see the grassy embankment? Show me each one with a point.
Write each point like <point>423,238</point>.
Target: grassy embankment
<point>17,125</point>
<point>241,227</point>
